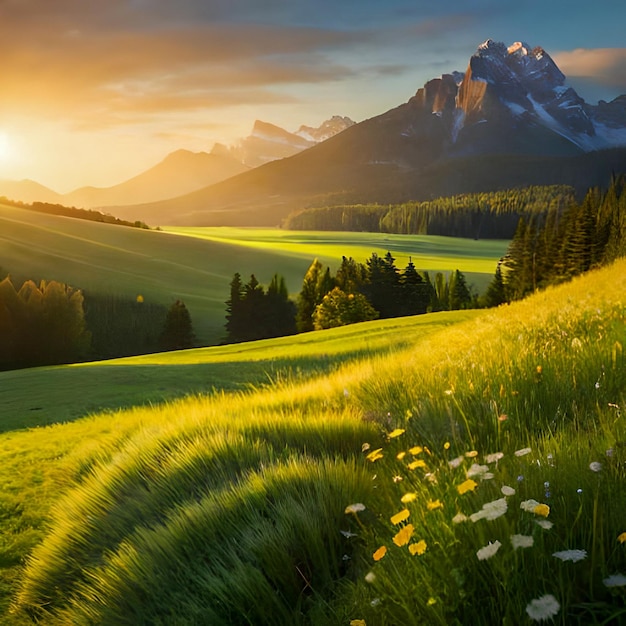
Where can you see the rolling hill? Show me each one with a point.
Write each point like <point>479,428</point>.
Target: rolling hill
<point>198,268</point>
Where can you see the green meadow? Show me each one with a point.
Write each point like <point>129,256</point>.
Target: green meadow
<point>196,265</point>
<point>463,468</point>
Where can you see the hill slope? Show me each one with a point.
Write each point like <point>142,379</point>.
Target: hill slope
<point>228,509</point>
<point>164,267</point>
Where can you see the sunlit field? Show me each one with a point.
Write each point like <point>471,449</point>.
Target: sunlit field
<point>163,267</point>
<point>472,474</point>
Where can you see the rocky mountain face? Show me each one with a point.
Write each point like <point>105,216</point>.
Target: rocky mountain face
<point>269,142</point>
<point>507,93</point>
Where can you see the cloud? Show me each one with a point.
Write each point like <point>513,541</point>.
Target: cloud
<point>604,66</point>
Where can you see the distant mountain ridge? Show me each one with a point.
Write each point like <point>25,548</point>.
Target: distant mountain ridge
<point>508,120</point>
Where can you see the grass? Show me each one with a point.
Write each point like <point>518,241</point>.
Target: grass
<point>229,508</point>
<point>163,266</point>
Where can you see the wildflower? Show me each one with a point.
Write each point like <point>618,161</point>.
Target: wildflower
<point>400,517</point>
<point>408,497</point>
<point>380,553</point>
<point>431,601</point>
<point>375,602</point>
<point>576,343</point>
<point>542,509</point>
<point>370,577</point>
<point>415,450</point>
<point>471,454</point>
<point>544,523</point>
<point>523,452</point>
<point>528,505</point>
<point>493,458</point>
<point>403,536</point>
<point>594,466</point>
<point>396,433</point>
<point>446,445</point>
<point>448,392</point>
<point>365,447</point>
<point>621,538</point>
<point>454,463</point>
<point>539,369</point>
<point>468,485</point>
<point>400,455</point>
<point>357,622</point>
<point>347,534</point>
<point>479,471</point>
<point>543,608</point>
<point>507,491</point>
<point>139,298</point>
<point>488,551</point>
<point>418,548</point>
<point>355,508</point>
<point>579,491</point>
<point>571,555</point>
<point>415,464</point>
<point>520,478</point>
<point>432,505</point>
<point>503,417</point>
<point>615,580</point>
<point>522,541</point>
<point>397,479</point>
<point>431,477</point>
<point>491,510</point>
<point>374,455</point>
<point>459,518</point>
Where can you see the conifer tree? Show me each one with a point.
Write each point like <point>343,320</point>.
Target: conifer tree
<point>308,298</point>
<point>496,292</point>
<point>459,293</point>
<point>177,330</point>
<point>234,309</point>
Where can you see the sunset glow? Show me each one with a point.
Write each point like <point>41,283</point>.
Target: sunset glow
<point>105,90</point>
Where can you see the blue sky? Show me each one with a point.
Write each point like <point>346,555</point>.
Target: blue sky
<point>94,91</point>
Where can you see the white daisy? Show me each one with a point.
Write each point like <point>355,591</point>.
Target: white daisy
<point>507,491</point>
<point>479,471</point>
<point>615,580</point>
<point>544,523</point>
<point>571,555</point>
<point>488,551</point>
<point>522,541</point>
<point>595,466</point>
<point>543,608</point>
<point>355,508</point>
<point>523,452</point>
<point>459,518</point>
<point>529,505</point>
<point>493,458</point>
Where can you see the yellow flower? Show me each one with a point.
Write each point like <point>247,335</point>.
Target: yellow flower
<point>415,464</point>
<point>357,622</point>
<point>415,450</point>
<point>446,445</point>
<point>400,517</point>
<point>374,455</point>
<point>380,553</point>
<point>396,433</point>
<point>468,485</point>
<point>471,454</point>
<point>139,298</point>
<point>434,504</point>
<point>622,538</point>
<point>542,509</point>
<point>404,535</point>
<point>400,455</point>
<point>431,601</point>
<point>418,548</point>
<point>410,496</point>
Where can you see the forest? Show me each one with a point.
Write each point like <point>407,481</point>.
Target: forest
<point>492,215</point>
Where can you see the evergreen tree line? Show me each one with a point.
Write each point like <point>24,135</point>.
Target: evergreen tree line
<point>547,249</point>
<point>357,292</point>
<point>50,323</point>
<point>492,215</point>
<point>83,214</point>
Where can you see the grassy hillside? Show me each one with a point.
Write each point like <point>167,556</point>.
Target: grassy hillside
<point>164,267</point>
<point>344,497</point>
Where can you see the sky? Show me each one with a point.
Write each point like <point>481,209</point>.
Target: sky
<point>93,92</point>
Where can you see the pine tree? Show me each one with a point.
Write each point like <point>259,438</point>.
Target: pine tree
<point>177,330</point>
<point>496,292</point>
<point>308,298</point>
<point>279,311</point>
<point>234,307</point>
<point>459,293</point>
<point>415,293</point>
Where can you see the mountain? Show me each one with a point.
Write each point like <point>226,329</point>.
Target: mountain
<point>179,173</point>
<point>509,120</point>
<point>269,142</point>
<point>28,191</point>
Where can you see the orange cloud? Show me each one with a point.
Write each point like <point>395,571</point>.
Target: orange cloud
<point>605,66</point>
